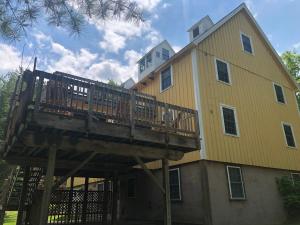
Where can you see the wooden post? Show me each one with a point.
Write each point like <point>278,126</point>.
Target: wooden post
<point>48,186</point>
<point>167,200</point>
<point>132,112</point>
<point>23,197</point>
<point>38,94</point>
<point>114,200</point>
<point>105,201</point>
<point>90,105</point>
<point>70,201</point>
<point>85,199</point>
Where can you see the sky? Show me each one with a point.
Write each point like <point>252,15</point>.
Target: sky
<point>110,49</point>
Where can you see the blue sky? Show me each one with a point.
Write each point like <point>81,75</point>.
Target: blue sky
<point>109,50</point>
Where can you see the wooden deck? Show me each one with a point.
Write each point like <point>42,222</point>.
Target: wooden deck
<point>80,116</point>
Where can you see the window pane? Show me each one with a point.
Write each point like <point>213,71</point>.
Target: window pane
<point>289,135</point>
<point>166,79</point>
<point>234,175</point>
<point>195,32</point>
<point>165,54</point>
<point>236,182</point>
<point>229,121</point>
<point>222,71</point>
<point>237,190</point>
<point>279,93</point>
<point>131,187</point>
<point>246,43</point>
<point>296,177</point>
<point>148,60</point>
<point>174,185</point>
<point>142,65</point>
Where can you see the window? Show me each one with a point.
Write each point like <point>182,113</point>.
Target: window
<point>166,79</point>
<point>279,93</point>
<point>157,54</point>
<point>235,182</point>
<point>295,177</point>
<point>165,54</point>
<point>100,186</point>
<point>148,60</point>
<point>247,43</point>
<point>175,189</point>
<point>297,96</point>
<point>222,71</point>
<point>195,32</point>
<point>229,120</point>
<point>289,136</point>
<point>142,65</point>
<point>131,187</point>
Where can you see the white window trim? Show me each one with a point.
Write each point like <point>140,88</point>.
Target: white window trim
<point>293,177</point>
<point>235,118</point>
<point>242,179</point>
<point>134,187</point>
<point>179,181</point>
<point>286,143</point>
<point>285,99</point>
<point>296,100</point>
<point>161,91</point>
<point>250,38</point>
<point>228,70</point>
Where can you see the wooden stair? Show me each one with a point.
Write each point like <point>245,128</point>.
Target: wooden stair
<point>11,191</point>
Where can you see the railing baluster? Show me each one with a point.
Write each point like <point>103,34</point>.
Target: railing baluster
<point>132,111</point>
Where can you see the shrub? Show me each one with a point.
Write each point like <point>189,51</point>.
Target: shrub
<point>290,192</point>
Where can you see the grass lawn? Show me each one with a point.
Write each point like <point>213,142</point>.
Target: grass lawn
<point>10,218</point>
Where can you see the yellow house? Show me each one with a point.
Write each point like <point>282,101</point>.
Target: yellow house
<point>249,126</point>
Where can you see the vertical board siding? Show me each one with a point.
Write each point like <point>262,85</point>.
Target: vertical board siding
<point>181,93</point>
<point>261,141</point>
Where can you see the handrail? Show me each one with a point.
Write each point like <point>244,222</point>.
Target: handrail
<point>73,96</point>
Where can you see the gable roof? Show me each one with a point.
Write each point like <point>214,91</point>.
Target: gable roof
<point>155,47</point>
<point>216,27</point>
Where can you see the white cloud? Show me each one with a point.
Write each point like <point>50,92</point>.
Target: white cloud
<point>116,33</point>
<point>166,5</point>
<point>71,62</point>
<point>176,48</point>
<point>88,64</point>
<point>11,58</point>
<point>148,5</point>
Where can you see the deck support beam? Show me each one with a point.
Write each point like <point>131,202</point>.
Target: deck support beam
<point>73,171</point>
<point>149,173</point>
<point>48,186</point>
<point>105,201</point>
<point>115,200</point>
<point>167,200</point>
<point>22,200</point>
<point>85,199</point>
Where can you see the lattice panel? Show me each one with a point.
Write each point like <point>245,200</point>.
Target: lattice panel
<point>73,207</point>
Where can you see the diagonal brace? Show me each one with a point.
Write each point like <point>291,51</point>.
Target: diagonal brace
<point>149,173</point>
<point>72,172</point>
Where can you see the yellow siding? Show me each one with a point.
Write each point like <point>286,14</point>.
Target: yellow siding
<point>181,93</point>
<point>261,140</point>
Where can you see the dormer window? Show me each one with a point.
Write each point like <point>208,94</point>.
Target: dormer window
<point>165,54</point>
<point>142,65</point>
<point>195,32</point>
<point>148,60</point>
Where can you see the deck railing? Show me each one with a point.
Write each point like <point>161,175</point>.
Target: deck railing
<point>74,96</point>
